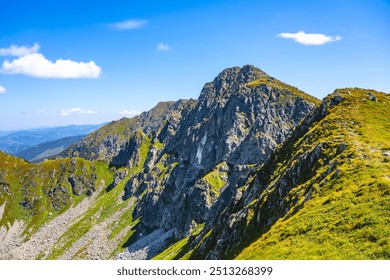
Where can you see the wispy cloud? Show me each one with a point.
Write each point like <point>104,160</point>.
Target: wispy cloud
<point>15,50</point>
<point>128,24</point>
<point>73,111</point>
<point>310,38</point>
<point>161,47</point>
<point>2,90</point>
<point>130,113</point>
<point>32,63</point>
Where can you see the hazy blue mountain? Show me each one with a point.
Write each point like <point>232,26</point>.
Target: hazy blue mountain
<point>19,141</point>
<point>48,149</point>
<point>5,133</point>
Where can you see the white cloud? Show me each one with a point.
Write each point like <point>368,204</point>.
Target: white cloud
<point>32,63</point>
<point>161,47</point>
<point>310,39</point>
<point>130,113</point>
<point>15,50</point>
<point>128,24</point>
<point>76,111</point>
<point>37,65</point>
<point>2,90</point>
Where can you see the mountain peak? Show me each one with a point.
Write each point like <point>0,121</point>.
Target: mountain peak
<point>249,81</point>
<point>245,74</point>
<point>252,69</point>
<point>248,68</point>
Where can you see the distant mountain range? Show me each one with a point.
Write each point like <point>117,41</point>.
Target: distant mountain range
<point>15,142</point>
<point>5,133</point>
<point>48,149</point>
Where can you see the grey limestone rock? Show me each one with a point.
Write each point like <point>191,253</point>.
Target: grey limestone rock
<point>372,97</point>
<point>338,98</point>
<point>81,185</point>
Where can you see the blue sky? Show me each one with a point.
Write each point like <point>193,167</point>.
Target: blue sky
<point>66,62</point>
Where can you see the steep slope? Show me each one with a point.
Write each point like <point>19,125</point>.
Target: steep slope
<point>323,194</point>
<point>348,215</point>
<point>32,195</point>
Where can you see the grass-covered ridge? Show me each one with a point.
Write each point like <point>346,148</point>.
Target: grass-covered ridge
<point>283,87</point>
<point>104,207</point>
<point>36,193</point>
<point>344,213</point>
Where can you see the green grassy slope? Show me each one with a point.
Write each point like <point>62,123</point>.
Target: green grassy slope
<point>287,89</point>
<point>108,204</point>
<point>36,193</point>
<point>347,215</point>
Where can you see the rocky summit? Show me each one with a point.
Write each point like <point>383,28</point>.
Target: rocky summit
<point>253,169</point>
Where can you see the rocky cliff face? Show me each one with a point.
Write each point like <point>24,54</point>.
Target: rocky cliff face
<point>200,178</point>
<point>238,120</point>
